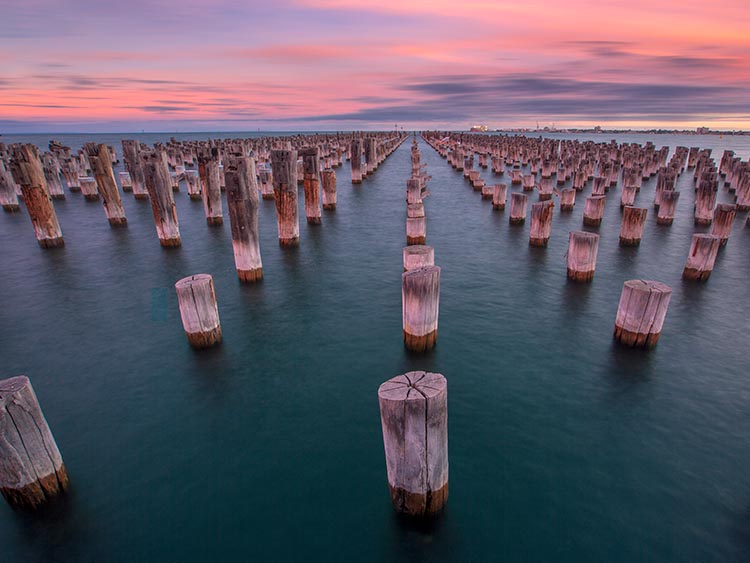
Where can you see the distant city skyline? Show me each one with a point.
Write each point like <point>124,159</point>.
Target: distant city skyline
<point>342,64</point>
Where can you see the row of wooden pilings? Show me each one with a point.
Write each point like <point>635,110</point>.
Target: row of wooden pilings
<point>32,471</point>
<point>643,304</point>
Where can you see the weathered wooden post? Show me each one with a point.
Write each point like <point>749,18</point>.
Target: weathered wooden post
<point>416,230</point>
<point>705,200</point>
<point>51,168</point>
<point>329,188</point>
<point>518,208</point>
<point>701,258</point>
<point>311,179</point>
<point>593,210</point>
<point>158,184</point>
<point>193,181</point>
<point>541,223</point>
<point>567,199</point>
<point>87,185</point>
<point>242,201</point>
<point>499,196</point>
<point>414,419</point>
<point>26,169</point>
<point>266,187</point>
<point>420,299</point>
<point>284,171</point>
<point>582,251</point>
<point>8,197</point>
<point>631,228</point>
<point>32,471</point>
<point>415,210</point>
<point>641,312</point>
<point>356,161</point>
<point>627,197</point>
<point>100,160</point>
<point>126,183</point>
<point>208,168</point>
<point>667,207</point>
<point>724,215</point>
<point>130,154</point>
<point>200,315</point>
<point>418,256</point>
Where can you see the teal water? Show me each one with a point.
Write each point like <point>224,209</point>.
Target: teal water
<point>563,446</point>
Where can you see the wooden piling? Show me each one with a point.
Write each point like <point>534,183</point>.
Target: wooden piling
<point>420,299</point>
<point>242,204</point>
<point>208,169</point>
<point>32,471</point>
<point>100,160</point>
<point>541,223</point>
<point>414,420</point>
<point>200,315</point>
<point>26,169</point>
<point>356,161</point>
<point>415,210</point>
<point>582,251</point>
<point>701,258</point>
<point>8,197</point>
<point>593,210</point>
<point>51,168</point>
<point>126,183</point>
<point>418,256</point>
<point>284,171</point>
<point>667,207</point>
<point>329,188</point>
<point>159,189</point>
<point>87,185</point>
<point>131,155</point>
<point>631,228</point>
<point>567,199</point>
<point>724,215</point>
<point>266,187</point>
<point>518,202</point>
<point>193,181</point>
<point>641,313</point>
<point>416,230</point>
<point>499,196</point>
<point>311,181</point>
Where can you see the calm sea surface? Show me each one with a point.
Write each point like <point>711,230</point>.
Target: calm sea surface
<point>563,446</point>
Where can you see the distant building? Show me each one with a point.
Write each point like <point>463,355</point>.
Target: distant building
<point>478,128</point>
<point>703,130</point>
<point>598,129</point>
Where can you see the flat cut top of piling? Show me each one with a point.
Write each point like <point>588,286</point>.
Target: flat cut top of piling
<point>191,279</point>
<point>412,386</point>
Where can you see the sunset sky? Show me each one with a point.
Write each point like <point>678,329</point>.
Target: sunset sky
<point>195,65</point>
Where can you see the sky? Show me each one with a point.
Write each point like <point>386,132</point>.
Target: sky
<point>199,65</point>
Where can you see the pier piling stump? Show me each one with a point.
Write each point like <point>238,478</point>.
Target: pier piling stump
<point>499,196</point>
<point>8,197</point>
<point>159,186</point>
<point>32,471</point>
<point>541,223</point>
<point>100,160</point>
<point>631,228</point>
<point>641,312</point>
<point>701,258</point>
<point>414,420</point>
<point>200,315</point>
<point>420,300</point>
<point>284,172</point>
<point>242,201</point>
<point>329,188</point>
<point>311,181</point>
<point>518,208</point>
<point>26,169</point>
<point>418,256</point>
<point>416,230</point>
<point>567,199</point>
<point>724,215</point>
<point>582,251</point>
<point>667,207</point>
<point>593,210</point>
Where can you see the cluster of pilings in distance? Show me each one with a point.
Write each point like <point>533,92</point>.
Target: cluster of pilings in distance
<point>553,163</point>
